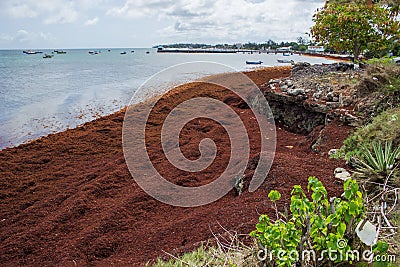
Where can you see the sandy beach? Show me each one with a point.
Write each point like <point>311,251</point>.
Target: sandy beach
<point>68,198</point>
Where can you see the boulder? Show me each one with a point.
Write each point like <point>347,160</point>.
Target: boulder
<point>342,174</point>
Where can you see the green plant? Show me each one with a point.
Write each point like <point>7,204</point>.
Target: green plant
<point>318,225</point>
<point>379,161</point>
<point>384,127</point>
<point>355,27</point>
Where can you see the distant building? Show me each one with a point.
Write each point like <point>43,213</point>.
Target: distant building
<point>315,49</point>
<point>284,49</point>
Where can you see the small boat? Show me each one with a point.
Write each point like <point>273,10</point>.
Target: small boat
<point>286,54</point>
<point>254,62</point>
<point>147,52</point>
<point>285,61</point>
<point>133,51</point>
<point>30,52</point>
<point>48,56</point>
<point>59,52</point>
<point>123,53</point>
<point>91,52</point>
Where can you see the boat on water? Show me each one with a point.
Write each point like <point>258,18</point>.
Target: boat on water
<point>30,52</point>
<point>48,56</point>
<point>285,61</point>
<point>286,54</point>
<point>123,53</point>
<point>254,62</point>
<point>147,52</point>
<point>59,52</point>
<point>133,51</point>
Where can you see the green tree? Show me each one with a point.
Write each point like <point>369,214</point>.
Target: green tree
<point>357,27</point>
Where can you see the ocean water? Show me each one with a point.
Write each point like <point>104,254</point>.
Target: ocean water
<point>42,96</point>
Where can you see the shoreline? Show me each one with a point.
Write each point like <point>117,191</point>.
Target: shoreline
<point>331,57</point>
<point>256,69</point>
<point>70,198</point>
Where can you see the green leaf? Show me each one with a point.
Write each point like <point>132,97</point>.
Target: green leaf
<point>274,195</point>
<point>341,229</point>
<point>380,247</point>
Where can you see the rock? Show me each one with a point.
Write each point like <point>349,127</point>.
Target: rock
<point>342,174</point>
<point>274,81</point>
<point>317,96</point>
<point>332,151</point>
<point>238,186</point>
<point>344,66</point>
<point>332,105</point>
<point>329,97</point>
<point>289,83</point>
<point>296,92</point>
<point>284,88</point>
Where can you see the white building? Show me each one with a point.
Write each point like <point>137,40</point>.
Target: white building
<point>315,49</point>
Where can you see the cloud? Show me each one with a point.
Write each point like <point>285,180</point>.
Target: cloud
<point>224,20</point>
<point>22,11</point>
<point>92,22</point>
<point>51,11</point>
<point>24,36</point>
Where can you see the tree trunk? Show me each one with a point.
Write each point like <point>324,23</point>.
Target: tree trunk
<point>356,53</point>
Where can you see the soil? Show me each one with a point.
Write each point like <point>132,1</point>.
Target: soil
<point>68,199</point>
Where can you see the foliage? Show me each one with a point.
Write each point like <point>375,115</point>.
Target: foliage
<point>355,27</point>
<point>379,161</point>
<point>227,251</point>
<point>381,61</point>
<point>319,224</point>
<point>384,127</point>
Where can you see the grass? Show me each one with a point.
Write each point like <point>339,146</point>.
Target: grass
<point>385,127</point>
<point>227,251</point>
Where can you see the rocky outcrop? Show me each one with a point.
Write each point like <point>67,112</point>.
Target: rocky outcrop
<point>313,95</point>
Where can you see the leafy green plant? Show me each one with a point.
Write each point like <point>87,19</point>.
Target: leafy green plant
<point>319,225</point>
<point>379,161</point>
<point>355,27</point>
<point>384,127</point>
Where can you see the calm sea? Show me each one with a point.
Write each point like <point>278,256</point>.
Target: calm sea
<point>41,96</point>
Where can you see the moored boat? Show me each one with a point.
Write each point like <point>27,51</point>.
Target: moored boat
<point>285,61</point>
<point>30,52</point>
<point>48,56</point>
<point>254,62</point>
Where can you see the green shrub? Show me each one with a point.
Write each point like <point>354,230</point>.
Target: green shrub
<point>385,127</point>
<point>379,161</point>
<point>319,224</point>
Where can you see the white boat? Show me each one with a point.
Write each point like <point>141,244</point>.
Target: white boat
<point>285,61</point>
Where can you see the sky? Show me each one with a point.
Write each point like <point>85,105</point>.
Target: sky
<point>34,24</point>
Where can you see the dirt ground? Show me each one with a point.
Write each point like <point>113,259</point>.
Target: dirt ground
<point>68,199</point>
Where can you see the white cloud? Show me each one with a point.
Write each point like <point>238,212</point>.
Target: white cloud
<point>224,20</point>
<point>24,36</point>
<point>22,11</point>
<point>51,11</point>
<point>92,22</point>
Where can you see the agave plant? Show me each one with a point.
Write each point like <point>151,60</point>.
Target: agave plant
<point>380,161</point>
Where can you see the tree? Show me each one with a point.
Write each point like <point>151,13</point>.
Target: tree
<point>301,40</point>
<point>351,27</point>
